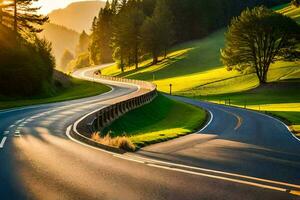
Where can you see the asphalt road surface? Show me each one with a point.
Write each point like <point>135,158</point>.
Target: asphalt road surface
<point>240,154</point>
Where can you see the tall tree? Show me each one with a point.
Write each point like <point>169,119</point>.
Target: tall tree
<point>1,10</point>
<point>22,17</point>
<point>6,16</point>
<point>164,18</point>
<point>100,49</point>
<point>83,43</point>
<point>65,59</point>
<point>258,38</point>
<point>157,30</point>
<point>126,32</point>
<point>26,18</point>
<point>151,39</point>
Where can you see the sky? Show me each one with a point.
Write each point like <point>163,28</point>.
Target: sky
<point>49,5</point>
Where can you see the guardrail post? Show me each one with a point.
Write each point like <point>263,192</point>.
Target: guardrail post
<point>98,120</point>
<point>110,113</point>
<point>127,106</point>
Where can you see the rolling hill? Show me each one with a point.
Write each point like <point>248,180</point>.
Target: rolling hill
<point>194,69</point>
<point>77,16</point>
<point>61,38</point>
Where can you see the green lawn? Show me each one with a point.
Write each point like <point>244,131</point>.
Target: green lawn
<point>158,121</point>
<point>291,11</point>
<point>281,99</point>
<point>79,89</point>
<point>194,69</point>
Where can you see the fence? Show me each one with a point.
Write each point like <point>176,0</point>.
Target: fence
<point>97,121</point>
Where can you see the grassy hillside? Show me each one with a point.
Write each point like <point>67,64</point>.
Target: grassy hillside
<point>78,15</point>
<point>68,90</point>
<point>160,120</point>
<point>61,38</point>
<point>291,11</point>
<point>194,69</point>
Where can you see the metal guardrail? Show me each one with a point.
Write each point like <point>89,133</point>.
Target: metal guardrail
<point>107,115</point>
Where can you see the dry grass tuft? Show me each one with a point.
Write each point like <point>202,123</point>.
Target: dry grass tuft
<point>118,142</point>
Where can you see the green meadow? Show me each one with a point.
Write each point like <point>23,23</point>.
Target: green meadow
<point>78,89</point>
<point>158,121</point>
<point>194,70</point>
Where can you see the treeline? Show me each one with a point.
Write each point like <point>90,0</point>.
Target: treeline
<point>26,62</point>
<point>69,61</point>
<point>129,30</point>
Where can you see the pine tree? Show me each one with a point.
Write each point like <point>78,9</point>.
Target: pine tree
<point>66,58</point>
<point>100,49</point>
<point>157,30</point>
<point>22,17</point>
<point>1,11</point>
<point>151,38</point>
<point>83,43</point>
<point>164,17</point>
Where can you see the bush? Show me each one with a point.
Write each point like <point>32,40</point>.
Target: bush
<point>118,142</point>
<point>83,60</point>
<point>25,68</point>
<point>296,3</point>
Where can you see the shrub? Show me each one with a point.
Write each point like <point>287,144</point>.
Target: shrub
<point>26,67</point>
<point>83,60</point>
<point>118,142</point>
<point>296,3</point>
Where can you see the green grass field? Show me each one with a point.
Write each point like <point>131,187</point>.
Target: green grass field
<point>158,121</point>
<point>194,69</point>
<point>79,89</point>
<point>291,11</point>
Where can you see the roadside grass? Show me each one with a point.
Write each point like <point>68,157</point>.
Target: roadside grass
<point>291,11</point>
<point>280,99</point>
<point>194,70</point>
<point>161,120</point>
<point>78,89</point>
<point>121,142</point>
<point>195,67</point>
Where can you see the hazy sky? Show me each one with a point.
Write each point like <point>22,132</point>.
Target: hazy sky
<point>49,5</point>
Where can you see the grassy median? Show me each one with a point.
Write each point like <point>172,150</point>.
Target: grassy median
<point>161,120</point>
<point>78,89</point>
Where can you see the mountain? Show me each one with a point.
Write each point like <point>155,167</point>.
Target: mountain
<point>61,38</point>
<point>77,16</point>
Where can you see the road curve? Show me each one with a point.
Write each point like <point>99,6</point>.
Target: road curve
<point>38,161</point>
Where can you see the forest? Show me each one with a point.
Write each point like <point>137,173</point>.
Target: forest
<point>128,31</point>
<point>26,64</point>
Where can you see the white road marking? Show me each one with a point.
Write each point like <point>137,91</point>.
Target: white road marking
<point>128,158</point>
<point>218,172</point>
<point>17,132</point>
<point>209,122</point>
<point>11,126</point>
<point>155,163</point>
<point>2,142</point>
<point>220,175</point>
<point>221,178</point>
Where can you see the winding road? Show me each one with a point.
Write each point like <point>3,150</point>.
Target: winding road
<point>239,154</point>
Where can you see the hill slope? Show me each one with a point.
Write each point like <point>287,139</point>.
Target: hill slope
<point>61,38</point>
<point>194,70</point>
<point>77,16</point>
